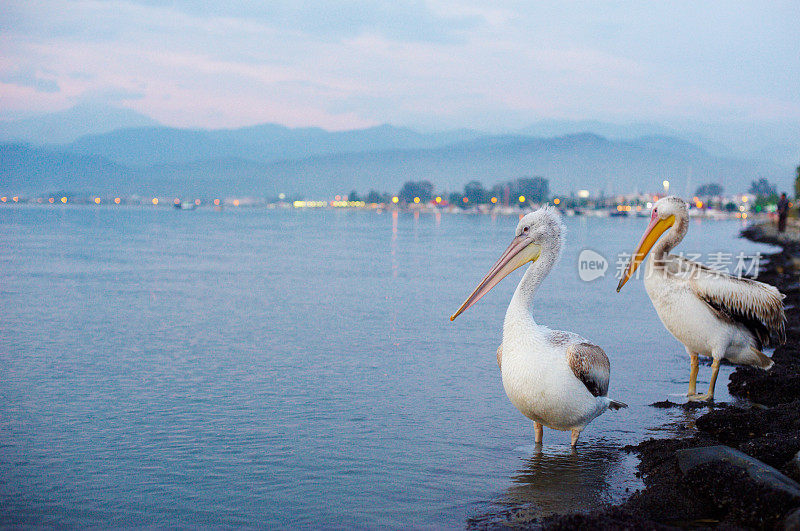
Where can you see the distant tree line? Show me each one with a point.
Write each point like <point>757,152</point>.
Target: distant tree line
<point>531,189</point>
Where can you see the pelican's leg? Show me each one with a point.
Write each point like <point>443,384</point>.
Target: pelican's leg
<point>695,364</point>
<point>575,434</point>
<point>537,432</point>
<point>713,383</point>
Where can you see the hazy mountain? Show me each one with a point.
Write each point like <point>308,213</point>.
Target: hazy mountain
<point>25,169</point>
<point>553,128</point>
<point>263,143</point>
<point>66,126</point>
<point>569,162</point>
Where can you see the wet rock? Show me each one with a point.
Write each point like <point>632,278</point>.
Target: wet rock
<point>756,470</point>
<point>664,404</point>
<point>688,405</point>
<point>736,499</point>
<point>734,425</point>
<point>792,522</point>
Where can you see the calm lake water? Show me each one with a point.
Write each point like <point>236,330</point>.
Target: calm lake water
<point>298,368</point>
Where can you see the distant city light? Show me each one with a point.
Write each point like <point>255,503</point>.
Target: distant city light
<point>197,202</point>
<point>522,199</point>
<point>216,202</point>
<point>96,200</point>
<point>416,199</point>
<point>52,200</point>
<point>155,201</point>
<point>583,194</point>
<point>338,198</point>
<point>438,199</point>
<point>665,183</point>
<point>63,199</point>
<point>744,199</point>
<point>3,199</point>
<point>117,200</point>
<point>15,198</point>
<point>556,201</point>
<point>494,200</point>
<point>466,200</point>
<point>235,202</point>
<point>281,196</point>
<point>176,201</point>
<point>395,199</point>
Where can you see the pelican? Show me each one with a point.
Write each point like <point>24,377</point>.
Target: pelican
<point>713,314</point>
<point>555,378</point>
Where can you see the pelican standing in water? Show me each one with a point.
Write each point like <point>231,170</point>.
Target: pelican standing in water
<point>557,379</point>
<point>711,313</point>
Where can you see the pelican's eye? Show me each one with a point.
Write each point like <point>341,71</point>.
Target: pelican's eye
<point>525,229</point>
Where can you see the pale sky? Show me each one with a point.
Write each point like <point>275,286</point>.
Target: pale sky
<point>424,64</point>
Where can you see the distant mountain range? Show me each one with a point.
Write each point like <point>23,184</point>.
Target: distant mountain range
<point>71,124</point>
<point>268,159</point>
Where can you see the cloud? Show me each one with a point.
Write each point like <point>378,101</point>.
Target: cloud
<point>447,62</point>
<point>27,77</point>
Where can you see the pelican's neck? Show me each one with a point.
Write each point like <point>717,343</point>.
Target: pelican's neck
<point>673,237</point>
<point>522,302</point>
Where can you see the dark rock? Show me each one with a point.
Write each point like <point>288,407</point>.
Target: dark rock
<point>756,470</point>
<point>736,499</point>
<point>792,522</point>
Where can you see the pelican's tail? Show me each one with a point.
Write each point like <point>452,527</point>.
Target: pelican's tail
<point>613,404</point>
<point>761,360</point>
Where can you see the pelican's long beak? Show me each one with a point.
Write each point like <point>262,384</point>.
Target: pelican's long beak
<point>521,251</point>
<point>655,229</point>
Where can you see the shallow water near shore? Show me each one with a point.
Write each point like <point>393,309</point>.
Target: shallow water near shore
<point>297,368</point>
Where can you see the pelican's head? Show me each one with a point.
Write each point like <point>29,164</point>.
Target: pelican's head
<point>663,216</point>
<point>536,232</point>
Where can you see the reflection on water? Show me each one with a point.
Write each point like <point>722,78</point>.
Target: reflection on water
<point>558,479</point>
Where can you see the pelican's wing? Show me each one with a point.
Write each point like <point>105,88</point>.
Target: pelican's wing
<point>756,305</point>
<point>590,365</point>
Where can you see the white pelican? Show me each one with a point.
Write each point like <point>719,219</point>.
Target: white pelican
<point>557,379</point>
<point>711,313</point>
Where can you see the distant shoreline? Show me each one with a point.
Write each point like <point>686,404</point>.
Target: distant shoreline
<point>233,204</point>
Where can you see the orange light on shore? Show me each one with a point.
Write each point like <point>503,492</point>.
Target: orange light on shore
<point>235,202</point>
<point>197,202</point>
<point>395,199</point>
<point>96,200</point>
<point>117,200</point>
<point>416,199</point>
<point>438,199</point>
<point>494,200</point>
<point>64,200</point>
<point>155,200</point>
<point>3,199</point>
<point>176,201</point>
<point>52,200</point>
<point>556,201</point>
<point>522,199</point>
<point>466,200</point>
<point>216,202</point>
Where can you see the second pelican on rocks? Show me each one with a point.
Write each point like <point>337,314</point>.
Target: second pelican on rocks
<point>557,379</point>
<point>712,313</point>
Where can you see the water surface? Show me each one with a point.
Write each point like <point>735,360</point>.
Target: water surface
<point>298,368</point>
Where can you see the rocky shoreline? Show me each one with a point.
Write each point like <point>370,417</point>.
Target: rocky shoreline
<point>739,465</point>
